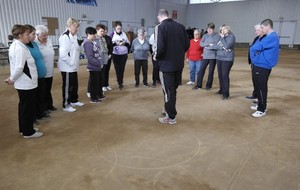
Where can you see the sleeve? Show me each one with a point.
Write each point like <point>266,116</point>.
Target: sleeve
<point>19,64</point>
<point>228,43</point>
<point>64,48</point>
<point>127,42</point>
<point>187,40</point>
<point>160,45</point>
<point>203,42</point>
<point>89,52</point>
<point>132,46</point>
<point>187,54</point>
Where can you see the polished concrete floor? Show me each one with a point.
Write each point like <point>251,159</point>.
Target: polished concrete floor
<point>119,144</point>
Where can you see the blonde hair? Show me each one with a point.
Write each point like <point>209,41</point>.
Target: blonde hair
<point>72,21</point>
<point>228,28</point>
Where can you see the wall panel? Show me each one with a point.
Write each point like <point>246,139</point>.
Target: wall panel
<point>32,11</point>
<point>242,16</point>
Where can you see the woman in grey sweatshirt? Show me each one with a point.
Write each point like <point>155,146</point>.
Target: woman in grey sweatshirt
<point>208,42</point>
<point>225,58</point>
<point>140,49</point>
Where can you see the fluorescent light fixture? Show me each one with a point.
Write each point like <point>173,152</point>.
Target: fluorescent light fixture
<point>211,1</point>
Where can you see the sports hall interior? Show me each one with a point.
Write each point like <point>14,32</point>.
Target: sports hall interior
<point>119,144</point>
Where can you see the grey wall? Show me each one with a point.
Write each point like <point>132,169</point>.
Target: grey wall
<point>31,12</point>
<point>242,16</point>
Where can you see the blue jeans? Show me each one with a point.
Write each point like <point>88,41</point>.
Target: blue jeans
<point>194,69</point>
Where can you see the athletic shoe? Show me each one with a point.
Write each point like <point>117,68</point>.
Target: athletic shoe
<point>35,128</point>
<point>69,109</point>
<point>255,101</point>
<point>190,83</point>
<point>95,101</point>
<point>77,104</point>
<point>121,87</point>
<point>207,88</point>
<point>109,88</point>
<point>167,120</point>
<point>102,98</point>
<point>254,107</point>
<point>259,114</point>
<point>34,135</point>
<point>104,89</point>
<point>88,95</point>
<point>196,88</point>
<point>146,85</point>
<point>250,97</point>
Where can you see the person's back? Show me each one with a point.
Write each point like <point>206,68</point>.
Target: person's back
<point>172,43</point>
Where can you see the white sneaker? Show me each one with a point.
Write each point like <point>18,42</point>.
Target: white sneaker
<point>34,135</point>
<point>77,104</point>
<point>69,109</point>
<point>88,95</point>
<point>109,88</point>
<point>167,120</point>
<point>254,107</point>
<point>190,83</point>
<point>104,89</point>
<point>259,114</point>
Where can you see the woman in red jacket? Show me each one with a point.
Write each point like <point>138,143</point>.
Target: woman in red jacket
<point>194,56</point>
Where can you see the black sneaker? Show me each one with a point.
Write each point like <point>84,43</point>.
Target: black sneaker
<point>196,88</point>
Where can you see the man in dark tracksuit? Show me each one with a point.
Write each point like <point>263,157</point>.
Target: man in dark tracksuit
<point>170,44</point>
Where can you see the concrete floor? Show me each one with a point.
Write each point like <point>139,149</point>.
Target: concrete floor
<point>119,144</point>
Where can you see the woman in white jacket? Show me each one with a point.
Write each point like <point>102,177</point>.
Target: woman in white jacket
<point>23,75</point>
<point>68,64</point>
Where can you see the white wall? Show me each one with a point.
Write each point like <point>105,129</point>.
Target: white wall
<point>31,12</point>
<point>242,16</point>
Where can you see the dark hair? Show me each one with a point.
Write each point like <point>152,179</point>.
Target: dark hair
<point>163,12</point>
<point>100,26</point>
<point>267,22</point>
<point>31,28</point>
<point>17,30</point>
<point>118,23</point>
<point>10,37</point>
<point>90,30</point>
<point>211,25</point>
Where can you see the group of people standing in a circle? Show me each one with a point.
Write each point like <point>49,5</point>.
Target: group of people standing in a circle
<point>32,62</point>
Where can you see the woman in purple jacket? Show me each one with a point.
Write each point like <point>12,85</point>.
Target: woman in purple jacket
<point>94,65</point>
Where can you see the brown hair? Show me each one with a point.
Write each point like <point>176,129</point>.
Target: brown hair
<point>100,26</point>
<point>31,28</point>
<point>18,29</point>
